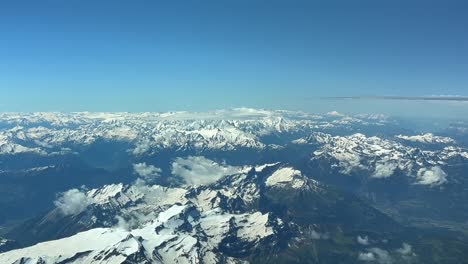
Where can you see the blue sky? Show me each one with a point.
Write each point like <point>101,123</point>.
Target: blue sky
<point>78,55</point>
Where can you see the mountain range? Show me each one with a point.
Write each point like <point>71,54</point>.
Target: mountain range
<point>230,186</point>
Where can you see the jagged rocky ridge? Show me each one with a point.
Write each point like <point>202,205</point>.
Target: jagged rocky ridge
<point>381,158</point>
<point>147,133</point>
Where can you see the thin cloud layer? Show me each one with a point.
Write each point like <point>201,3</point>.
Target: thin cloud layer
<point>403,98</point>
<point>146,172</point>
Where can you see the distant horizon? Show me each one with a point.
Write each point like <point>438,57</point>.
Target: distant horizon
<point>441,110</point>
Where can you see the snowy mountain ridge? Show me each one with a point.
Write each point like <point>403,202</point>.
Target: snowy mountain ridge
<point>46,133</point>
<point>382,157</point>
<point>152,224</point>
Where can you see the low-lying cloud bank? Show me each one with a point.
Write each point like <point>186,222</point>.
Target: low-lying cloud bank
<point>431,176</point>
<point>382,256</point>
<point>198,170</point>
<point>73,202</point>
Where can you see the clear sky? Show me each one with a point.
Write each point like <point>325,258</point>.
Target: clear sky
<point>142,55</point>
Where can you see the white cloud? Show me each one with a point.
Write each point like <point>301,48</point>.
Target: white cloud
<point>433,176</point>
<point>382,256</point>
<point>132,221</point>
<point>147,172</point>
<point>122,223</point>
<point>334,113</point>
<point>363,240</point>
<point>377,255</point>
<point>406,249</point>
<point>368,256</point>
<point>73,202</point>
<point>143,146</point>
<point>384,170</point>
<point>348,161</point>
<point>317,235</point>
<point>200,170</point>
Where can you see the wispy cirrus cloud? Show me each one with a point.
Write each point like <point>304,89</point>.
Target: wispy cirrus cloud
<point>403,98</point>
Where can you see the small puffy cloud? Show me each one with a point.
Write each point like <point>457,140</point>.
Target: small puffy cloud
<point>406,250</point>
<point>433,176</point>
<point>384,170</point>
<point>334,113</point>
<point>368,256</point>
<point>147,172</point>
<point>142,147</point>
<point>382,256</point>
<point>317,235</point>
<point>73,202</point>
<point>363,240</point>
<point>200,170</point>
<point>376,255</point>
